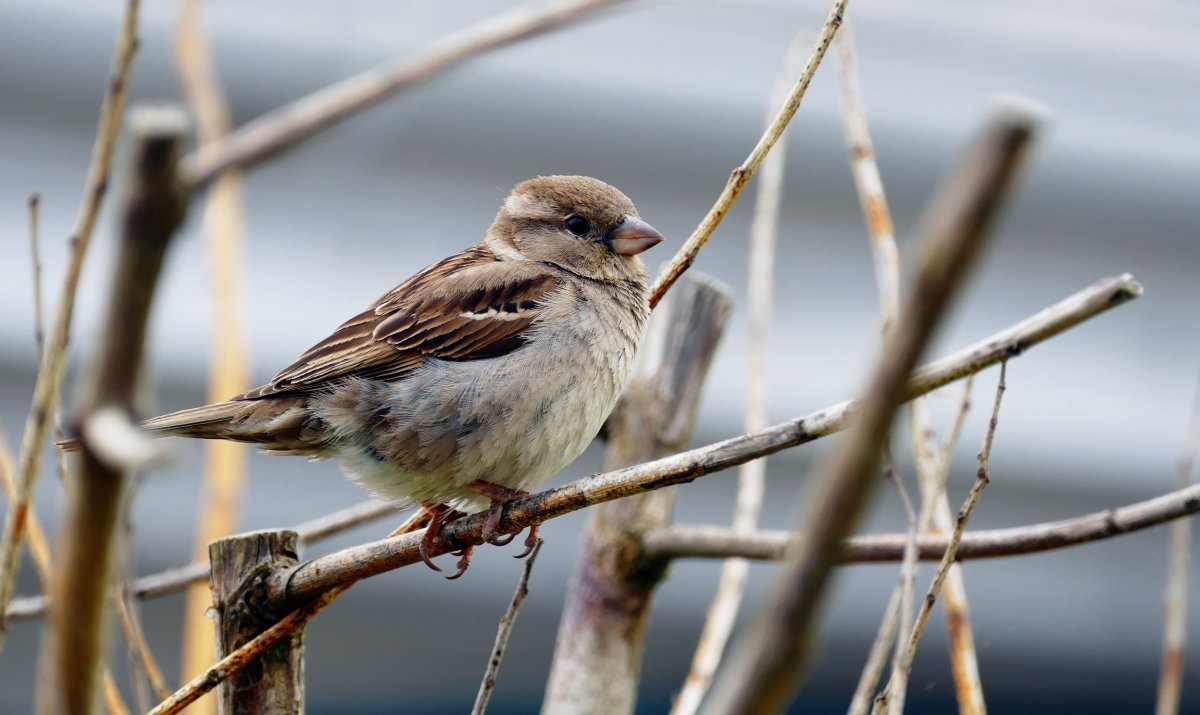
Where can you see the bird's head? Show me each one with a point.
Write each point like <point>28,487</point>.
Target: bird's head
<point>578,223</point>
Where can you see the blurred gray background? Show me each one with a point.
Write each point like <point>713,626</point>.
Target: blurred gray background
<point>663,99</point>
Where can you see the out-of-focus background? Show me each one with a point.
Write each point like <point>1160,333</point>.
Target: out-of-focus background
<point>663,99</point>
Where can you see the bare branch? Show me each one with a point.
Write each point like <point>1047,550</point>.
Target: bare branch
<point>684,467</point>
<point>153,210</point>
<point>243,656</point>
<point>502,633</point>
<point>769,660</point>
<point>135,639</point>
<point>341,520</point>
<point>35,259</point>
<point>877,656</point>
<point>1170,679</point>
<point>741,175</point>
<point>764,229</point>
<point>715,542</point>
<point>908,568</point>
<point>289,125</point>
<point>53,362</point>
<point>869,183</point>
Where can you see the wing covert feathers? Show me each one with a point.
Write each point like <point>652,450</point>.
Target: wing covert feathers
<point>470,306</point>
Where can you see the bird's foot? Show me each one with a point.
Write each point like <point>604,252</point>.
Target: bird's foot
<point>499,497</point>
<point>439,515</point>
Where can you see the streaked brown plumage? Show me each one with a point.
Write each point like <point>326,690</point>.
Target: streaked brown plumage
<point>477,378</point>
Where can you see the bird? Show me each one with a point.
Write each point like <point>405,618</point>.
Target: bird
<point>474,381</point>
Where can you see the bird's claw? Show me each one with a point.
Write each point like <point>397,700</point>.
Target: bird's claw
<point>531,542</point>
<point>463,562</point>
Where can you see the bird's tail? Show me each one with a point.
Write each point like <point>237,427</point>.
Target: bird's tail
<point>277,424</point>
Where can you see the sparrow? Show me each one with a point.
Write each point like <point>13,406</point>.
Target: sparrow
<point>475,380</point>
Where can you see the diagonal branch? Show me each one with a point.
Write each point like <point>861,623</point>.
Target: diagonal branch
<point>686,466</point>
<point>741,176</point>
<point>289,125</point>
<point>770,659</point>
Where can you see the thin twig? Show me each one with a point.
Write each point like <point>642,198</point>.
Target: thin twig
<point>1170,679</point>
<point>225,462</point>
<point>908,565</point>
<point>289,125</point>
<point>869,183</point>
<point>502,633</point>
<point>764,229</point>
<point>35,257</point>
<point>383,556</point>
<point>893,693</point>
<point>139,649</point>
<point>243,656</point>
<point>770,659</point>
<point>39,544</point>
<point>50,371</point>
<point>960,421</point>
<point>877,656</point>
<point>741,176</point>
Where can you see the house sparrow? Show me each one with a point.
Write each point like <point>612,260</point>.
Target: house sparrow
<point>479,377</point>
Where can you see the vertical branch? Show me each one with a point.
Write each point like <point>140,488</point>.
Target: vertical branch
<point>239,565</point>
<point>598,653</point>
<point>225,467</point>
<point>1170,680</point>
<point>53,362</point>
<point>39,549</point>
<point>908,568</point>
<point>769,661</point>
<point>931,472</point>
<point>35,259</point>
<point>110,441</point>
<point>764,228</point>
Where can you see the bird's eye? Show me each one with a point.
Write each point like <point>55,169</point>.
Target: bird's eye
<point>577,225</point>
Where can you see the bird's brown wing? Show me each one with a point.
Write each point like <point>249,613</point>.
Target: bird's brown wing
<point>467,307</point>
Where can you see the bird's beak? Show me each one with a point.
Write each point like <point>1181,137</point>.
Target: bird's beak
<point>632,237</point>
